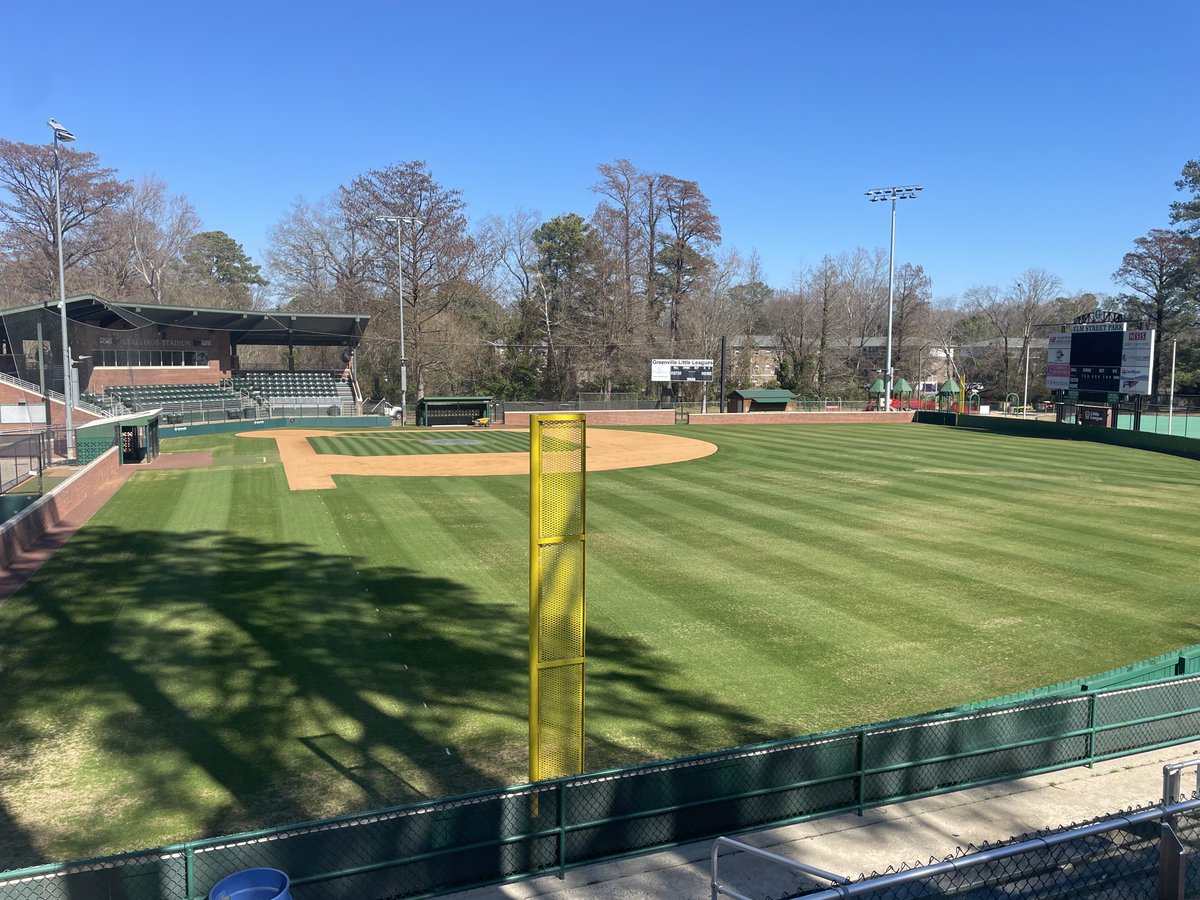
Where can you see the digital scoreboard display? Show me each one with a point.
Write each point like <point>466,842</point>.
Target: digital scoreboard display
<point>681,370</point>
<point>1096,360</point>
<point>1102,358</point>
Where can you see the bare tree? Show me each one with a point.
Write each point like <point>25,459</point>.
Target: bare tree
<point>864,275</point>
<point>440,258</point>
<point>623,218</point>
<point>823,284</point>
<point>511,254</point>
<point>717,309</point>
<point>913,293</point>
<point>993,308</point>
<point>686,252</point>
<point>157,228</point>
<point>794,318</point>
<point>27,212</point>
<point>944,329</point>
<point>297,261</point>
<point>1032,295</point>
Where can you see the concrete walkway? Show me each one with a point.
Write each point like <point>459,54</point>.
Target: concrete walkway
<point>886,836</point>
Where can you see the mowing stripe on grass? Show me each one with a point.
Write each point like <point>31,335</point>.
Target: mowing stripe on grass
<point>408,443</point>
<point>214,651</point>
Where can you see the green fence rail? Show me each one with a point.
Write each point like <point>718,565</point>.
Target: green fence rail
<point>1166,665</point>
<point>1138,440</point>
<point>423,849</point>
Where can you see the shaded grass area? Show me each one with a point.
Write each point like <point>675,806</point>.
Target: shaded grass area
<point>420,442</point>
<point>214,652</point>
<point>49,483</point>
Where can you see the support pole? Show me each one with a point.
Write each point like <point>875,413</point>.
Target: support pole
<point>721,399</point>
<point>68,399</point>
<point>42,384</point>
<point>887,381</point>
<point>1171,402</point>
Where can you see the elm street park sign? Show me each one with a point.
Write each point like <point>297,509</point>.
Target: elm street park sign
<point>681,370</point>
<point>1103,357</point>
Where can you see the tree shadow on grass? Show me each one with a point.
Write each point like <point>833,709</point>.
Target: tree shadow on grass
<point>159,687</point>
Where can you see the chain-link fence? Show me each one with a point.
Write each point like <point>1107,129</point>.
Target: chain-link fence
<point>22,456</point>
<point>422,849</point>
<point>1121,857</point>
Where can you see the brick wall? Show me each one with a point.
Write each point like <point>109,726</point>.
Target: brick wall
<point>104,377</point>
<point>11,395</point>
<point>605,417</point>
<point>798,418</point>
<point>23,530</point>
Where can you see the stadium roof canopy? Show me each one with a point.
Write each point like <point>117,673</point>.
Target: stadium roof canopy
<point>250,327</point>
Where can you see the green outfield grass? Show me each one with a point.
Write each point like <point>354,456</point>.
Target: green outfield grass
<point>214,652</point>
<point>399,443</point>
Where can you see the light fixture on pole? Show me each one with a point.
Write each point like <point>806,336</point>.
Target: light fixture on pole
<point>61,134</point>
<point>907,192</point>
<point>401,221</point>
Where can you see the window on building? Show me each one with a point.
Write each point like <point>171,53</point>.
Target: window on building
<point>148,358</point>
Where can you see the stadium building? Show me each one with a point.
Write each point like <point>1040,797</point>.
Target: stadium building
<point>131,356</point>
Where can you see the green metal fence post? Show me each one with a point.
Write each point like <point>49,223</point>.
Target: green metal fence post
<point>189,872</point>
<point>860,788</point>
<point>1091,730</point>
<point>562,830</point>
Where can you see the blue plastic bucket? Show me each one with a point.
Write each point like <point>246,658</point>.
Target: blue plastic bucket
<point>252,884</point>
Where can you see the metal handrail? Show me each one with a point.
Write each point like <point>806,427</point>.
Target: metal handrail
<point>30,387</point>
<point>21,383</point>
<point>1173,778</point>
<point>895,879</point>
<point>719,890</point>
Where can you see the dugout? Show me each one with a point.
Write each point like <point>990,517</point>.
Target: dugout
<point>136,434</point>
<point>432,411</point>
<point>759,400</point>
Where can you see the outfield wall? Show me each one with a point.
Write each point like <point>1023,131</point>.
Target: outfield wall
<point>169,431</point>
<point>603,417</point>
<point>1138,440</point>
<point>798,418</point>
<point>24,529</point>
<point>435,846</point>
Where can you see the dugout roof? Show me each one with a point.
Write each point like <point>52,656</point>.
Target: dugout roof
<point>101,426</point>
<point>276,327</point>
<point>765,395</point>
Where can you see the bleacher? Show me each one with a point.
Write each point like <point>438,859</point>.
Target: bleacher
<point>290,385</point>
<point>182,402</point>
<point>245,395</point>
<point>297,389</point>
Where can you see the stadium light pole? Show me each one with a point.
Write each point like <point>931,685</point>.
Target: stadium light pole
<point>907,192</point>
<point>61,134</point>
<point>1171,401</point>
<point>401,221</point>
<point>1025,396</point>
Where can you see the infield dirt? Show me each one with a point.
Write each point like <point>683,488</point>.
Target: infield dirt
<point>308,470</point>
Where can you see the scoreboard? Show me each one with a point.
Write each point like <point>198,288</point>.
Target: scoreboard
<point>1102,357</point>
<point>681,370</point>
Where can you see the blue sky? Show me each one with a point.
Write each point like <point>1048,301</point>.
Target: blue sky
<point>1045,134</point>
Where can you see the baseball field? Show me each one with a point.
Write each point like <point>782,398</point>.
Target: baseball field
<point>240,642</point>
